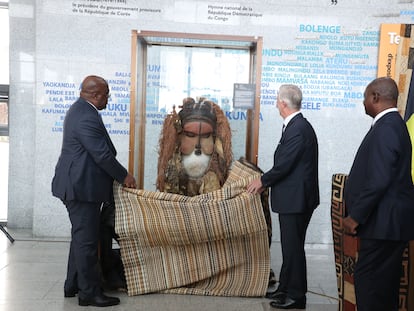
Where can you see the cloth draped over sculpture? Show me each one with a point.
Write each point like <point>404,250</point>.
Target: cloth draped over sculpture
<point>210,244</point>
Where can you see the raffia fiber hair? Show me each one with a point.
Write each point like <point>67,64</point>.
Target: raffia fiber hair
<point>167,145</point>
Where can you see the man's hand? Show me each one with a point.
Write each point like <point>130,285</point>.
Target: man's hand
<point>350,226</point>
<point>130,181</point>
<point>255,186</point>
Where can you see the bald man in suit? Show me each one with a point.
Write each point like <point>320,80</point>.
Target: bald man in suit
<point>83,180</point>
<point>379,198</point>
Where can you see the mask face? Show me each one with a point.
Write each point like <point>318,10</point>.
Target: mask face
<point>197,137</point>
<point>196,147</point>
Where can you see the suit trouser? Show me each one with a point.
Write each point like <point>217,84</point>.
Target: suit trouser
<point>377,274</point>
<point>293,273</point>
<point>83,268</point>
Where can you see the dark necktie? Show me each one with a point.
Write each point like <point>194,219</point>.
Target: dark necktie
<point>283,130</point>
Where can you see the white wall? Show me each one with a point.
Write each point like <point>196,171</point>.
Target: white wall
<point>54,44</point>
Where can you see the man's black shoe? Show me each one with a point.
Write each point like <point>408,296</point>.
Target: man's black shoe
<point>288,303</point>
<point>277,294</point>
<point>99,301</point>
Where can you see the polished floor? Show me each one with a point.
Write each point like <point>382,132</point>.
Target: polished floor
<point>32,272</point>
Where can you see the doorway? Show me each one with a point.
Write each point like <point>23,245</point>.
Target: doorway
<point>168,67</point>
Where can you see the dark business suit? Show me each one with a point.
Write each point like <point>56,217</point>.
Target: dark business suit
<point>379,195</point>
<point>293,180</point>
<point>83,180</point>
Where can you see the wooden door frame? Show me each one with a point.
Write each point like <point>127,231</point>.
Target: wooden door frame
<point>139,42</point>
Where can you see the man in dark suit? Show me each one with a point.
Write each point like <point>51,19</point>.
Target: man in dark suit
<point>83,180</point>
<point>293,180</point>
<point>379,198</point>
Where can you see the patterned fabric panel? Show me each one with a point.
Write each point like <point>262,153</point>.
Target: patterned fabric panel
<point>405,81</point>
<point>346,254</point>
<point>211,244</point>
<point>404,64</point>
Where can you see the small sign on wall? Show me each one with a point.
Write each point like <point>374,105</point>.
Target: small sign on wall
<point>243,95</point>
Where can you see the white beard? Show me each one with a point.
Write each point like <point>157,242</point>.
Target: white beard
<point>195,165</point>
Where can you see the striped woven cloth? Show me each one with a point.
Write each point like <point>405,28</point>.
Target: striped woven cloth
<point>211,244</point>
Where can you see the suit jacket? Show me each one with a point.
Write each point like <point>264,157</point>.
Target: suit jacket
<point>293,179</point>
<point>379,192</point>
<point>87,165</point>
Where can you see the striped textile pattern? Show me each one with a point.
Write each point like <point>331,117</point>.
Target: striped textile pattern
<point>211,244</point>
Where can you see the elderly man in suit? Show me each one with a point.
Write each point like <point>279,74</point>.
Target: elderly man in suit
<point>83,180</point>
<point>294,184</point>
<point>379,198</point>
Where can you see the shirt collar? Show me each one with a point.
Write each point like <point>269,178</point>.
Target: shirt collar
<point>382,113</point>
<point>290,117</point>
<point>92,105</point>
